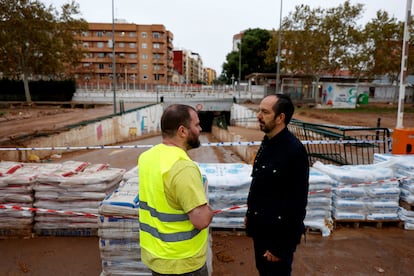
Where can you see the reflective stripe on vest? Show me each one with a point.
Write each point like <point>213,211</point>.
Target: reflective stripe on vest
<point>163,216</point>
<point>173,237</point>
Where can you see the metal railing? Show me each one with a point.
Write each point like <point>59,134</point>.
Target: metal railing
<point>341,145</point>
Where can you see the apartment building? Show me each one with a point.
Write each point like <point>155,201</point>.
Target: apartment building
<point>190,65</point>
<point>143,56</point>
<point>209,75</point>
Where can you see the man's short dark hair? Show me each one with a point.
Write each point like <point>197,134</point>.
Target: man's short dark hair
<point>284,105</point>
<point>173,117</point>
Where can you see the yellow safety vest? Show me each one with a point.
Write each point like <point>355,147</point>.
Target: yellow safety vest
<point>164,231</point>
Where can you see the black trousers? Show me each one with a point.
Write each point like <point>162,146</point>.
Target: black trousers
<point>266,268</point>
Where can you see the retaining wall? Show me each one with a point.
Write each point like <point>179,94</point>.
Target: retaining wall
<point>105,131</point>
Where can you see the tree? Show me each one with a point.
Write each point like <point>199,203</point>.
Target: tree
<point>37,40</point>
<point>385,34</point>
<point>304,47</point>
<point>252,52</point>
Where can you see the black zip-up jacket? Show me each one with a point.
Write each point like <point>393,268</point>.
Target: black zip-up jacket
<point>278,193</point>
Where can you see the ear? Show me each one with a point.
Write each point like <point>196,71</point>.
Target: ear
<point>281,118</point>
<point>182,131</point>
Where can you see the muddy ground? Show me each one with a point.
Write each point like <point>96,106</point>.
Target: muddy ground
<point>366,250</point>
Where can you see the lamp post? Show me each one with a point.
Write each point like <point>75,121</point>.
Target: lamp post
<point>240,49</point>
<point>278,49</point>
<point>113,57</point>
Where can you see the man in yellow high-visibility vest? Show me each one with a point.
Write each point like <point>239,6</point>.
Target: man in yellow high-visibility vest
<point>174,213</point>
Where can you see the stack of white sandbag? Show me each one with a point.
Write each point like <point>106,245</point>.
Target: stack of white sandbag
<point>14,221</point>
<point>319,208</point>
<point>363,192</point>
<point>404,170</point>
<point>119,230</point>
<point>228,186</point>
<point>77,187</point>
<point>16,190</point>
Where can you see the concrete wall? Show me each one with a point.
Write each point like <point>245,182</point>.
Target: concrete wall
<point>247,153</point>
<point>243,116</point>
<point>108,131</point>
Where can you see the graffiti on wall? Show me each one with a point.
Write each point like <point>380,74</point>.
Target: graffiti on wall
<point>343,96</point>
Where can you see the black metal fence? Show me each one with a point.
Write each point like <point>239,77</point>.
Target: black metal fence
<point>341,145</point>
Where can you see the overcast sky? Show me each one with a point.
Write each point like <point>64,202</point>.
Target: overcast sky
<point>207,27</point>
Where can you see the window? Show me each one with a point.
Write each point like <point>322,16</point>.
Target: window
<point>132,45</point>
<point>144,45</point>
<point>144,35</point>
<point>144,77</point>
<point>101,66</point>
<point>131,34</point>
<point>156,35</point>
<point>132,55</point>
<point>100,44</point>
<point>101,55</point>
<point>144,66</point>
<point>121,45</point>
<point>121,55</point>
<point>156,45</point>
<point>85,34</point>
<point>144,56</point>
<point>99,34</point>
<point>157,56</point>
<point>85,45</point>
<point>133,66</point>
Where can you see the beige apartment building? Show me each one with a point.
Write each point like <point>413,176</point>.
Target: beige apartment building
<point>143,56</point>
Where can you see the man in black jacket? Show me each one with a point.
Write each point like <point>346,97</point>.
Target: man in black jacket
<point>279,190</point>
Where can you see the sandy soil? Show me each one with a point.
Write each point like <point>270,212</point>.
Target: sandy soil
<point>366,250</point>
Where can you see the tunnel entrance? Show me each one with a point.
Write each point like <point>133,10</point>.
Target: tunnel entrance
<point>207,117</point>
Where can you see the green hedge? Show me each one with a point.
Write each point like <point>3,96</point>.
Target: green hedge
<point>12,90</point>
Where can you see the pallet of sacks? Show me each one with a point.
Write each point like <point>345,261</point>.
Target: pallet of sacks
<point>119,230</point>
<point>16,191</point>
<point>13,222</point>
<point>72,193</point>
<point>363,193</point>
<point>228,186</point>
<point>403,166</point>
<point>319,208</point>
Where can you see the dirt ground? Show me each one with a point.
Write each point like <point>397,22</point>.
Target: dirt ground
<point>366,250</point>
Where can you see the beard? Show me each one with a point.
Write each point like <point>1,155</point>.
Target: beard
<point>193,141</point>
<point>266,128</point>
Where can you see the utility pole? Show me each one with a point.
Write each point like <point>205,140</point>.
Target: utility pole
<point>278,49</point>
<point>404,59</point>
<point>113,57</point>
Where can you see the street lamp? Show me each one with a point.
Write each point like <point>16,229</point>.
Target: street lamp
<point>278,49</point>
<point>113,57</point>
